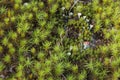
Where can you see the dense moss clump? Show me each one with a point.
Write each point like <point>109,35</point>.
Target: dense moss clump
<point>59,39</point>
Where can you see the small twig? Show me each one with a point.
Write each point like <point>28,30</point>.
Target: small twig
<point>73,5</point>
<point>64,78</point>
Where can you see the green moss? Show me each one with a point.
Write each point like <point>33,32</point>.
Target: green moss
<point>59,40</point>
